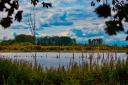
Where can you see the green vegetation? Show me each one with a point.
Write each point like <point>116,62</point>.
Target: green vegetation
<point>26,43</point>
<point>43,41</point>
<point>88,73</point>
<point>28,47</point>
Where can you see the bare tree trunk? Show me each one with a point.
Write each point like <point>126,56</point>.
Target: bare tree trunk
<point>105,1</point>
<point>34,29</point>
<point>32,24</point>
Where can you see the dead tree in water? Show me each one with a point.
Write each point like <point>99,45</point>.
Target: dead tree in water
<point>32,24</point>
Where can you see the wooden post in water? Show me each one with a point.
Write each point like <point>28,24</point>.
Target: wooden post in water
<point>73,53</point>
<point>82,52</point>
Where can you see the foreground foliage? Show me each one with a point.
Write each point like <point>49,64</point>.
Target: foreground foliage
<point>117,10</point>
<point>21,73</point>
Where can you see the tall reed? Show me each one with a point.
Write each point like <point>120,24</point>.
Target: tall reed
<point>111,71</point>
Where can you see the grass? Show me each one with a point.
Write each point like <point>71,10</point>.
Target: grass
<point>120,50</point>
<point>87,73</point>
<point>38,48</point>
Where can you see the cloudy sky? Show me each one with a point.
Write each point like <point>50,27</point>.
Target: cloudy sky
<point>73,18</point>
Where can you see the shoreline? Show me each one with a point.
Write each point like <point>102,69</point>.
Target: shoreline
<point>66,51</point>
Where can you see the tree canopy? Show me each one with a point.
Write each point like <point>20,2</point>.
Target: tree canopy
<point>9,7</point>
<point>120,10</point>
<point>45,41</point>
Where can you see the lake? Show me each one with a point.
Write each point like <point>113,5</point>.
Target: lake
<point>55,59</point>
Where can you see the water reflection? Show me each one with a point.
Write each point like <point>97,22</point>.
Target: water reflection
<point>54,59</point>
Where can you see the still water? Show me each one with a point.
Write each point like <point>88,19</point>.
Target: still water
<point>55,59</point>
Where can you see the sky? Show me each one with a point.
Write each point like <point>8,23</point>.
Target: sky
<point>73,18</point>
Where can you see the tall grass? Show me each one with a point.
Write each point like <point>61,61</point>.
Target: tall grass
<point>87,73</point>
<point>39,48</point>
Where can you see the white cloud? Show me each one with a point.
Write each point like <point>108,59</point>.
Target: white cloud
<point>77,12</point>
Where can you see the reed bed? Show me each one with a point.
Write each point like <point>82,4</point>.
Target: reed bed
<point>99,71</point>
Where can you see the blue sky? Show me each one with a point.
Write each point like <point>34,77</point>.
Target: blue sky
<point>73,18</point>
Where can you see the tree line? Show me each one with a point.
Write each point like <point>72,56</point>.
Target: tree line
<point>95,42</point>
<point>44,41</point>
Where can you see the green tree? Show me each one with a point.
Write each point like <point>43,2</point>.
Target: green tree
<point>56,41</point>
<point>24,38</point>
<point>7,42</point>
